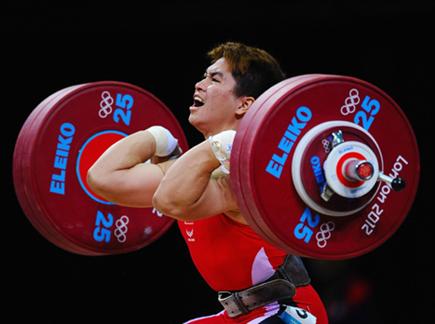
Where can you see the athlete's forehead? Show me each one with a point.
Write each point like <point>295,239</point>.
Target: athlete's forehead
<point>220,67</point>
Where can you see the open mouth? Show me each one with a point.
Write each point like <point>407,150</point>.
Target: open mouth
<point>197,102</point>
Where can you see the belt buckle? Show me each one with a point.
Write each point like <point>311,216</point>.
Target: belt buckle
<point>224,295</point>
<point>232,303</point>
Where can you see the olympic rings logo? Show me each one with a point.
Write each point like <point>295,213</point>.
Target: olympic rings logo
<point>326,145</point>
<point>121,229</point>
<point>350,102</point>
<point>324,234</point>
<point>105,104</point>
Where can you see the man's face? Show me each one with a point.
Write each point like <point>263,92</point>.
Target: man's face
<point>215,104</point>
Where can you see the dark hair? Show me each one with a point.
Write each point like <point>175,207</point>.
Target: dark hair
<point>254,69</point>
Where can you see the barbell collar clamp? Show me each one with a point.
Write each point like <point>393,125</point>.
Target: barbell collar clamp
<point>396,183</point>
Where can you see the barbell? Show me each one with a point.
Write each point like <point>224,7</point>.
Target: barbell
<point>323,166</point>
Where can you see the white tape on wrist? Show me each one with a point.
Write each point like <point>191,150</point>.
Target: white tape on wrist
<point>221,145</point>
<point>165,141</point>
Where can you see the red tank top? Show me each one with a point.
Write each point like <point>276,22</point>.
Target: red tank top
<point>230,255</point>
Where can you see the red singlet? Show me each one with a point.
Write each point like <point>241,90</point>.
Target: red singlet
<point>231,256</point>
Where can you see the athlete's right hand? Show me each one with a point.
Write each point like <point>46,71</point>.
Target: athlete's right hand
<point>221,145</point>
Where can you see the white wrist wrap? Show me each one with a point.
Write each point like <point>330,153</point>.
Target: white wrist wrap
<point>221,145</point>
<point>165,142</point>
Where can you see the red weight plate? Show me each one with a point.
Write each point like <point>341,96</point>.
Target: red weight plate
<point>262,162</point>
<point>66,139</point>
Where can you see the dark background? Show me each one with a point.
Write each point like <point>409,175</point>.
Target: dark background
<point>49,45</point>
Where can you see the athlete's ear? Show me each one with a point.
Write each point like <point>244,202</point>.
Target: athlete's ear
<point>245,104</point>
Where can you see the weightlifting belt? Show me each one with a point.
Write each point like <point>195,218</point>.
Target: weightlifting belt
<point>280,287</point>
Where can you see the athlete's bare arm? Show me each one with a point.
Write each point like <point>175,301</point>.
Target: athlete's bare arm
<point>120,174</point>
<point>188,192</point>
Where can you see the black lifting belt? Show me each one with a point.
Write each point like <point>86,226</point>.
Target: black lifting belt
<point>281,287</point>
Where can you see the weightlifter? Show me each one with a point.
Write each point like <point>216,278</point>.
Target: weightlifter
<point>256,281</point>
